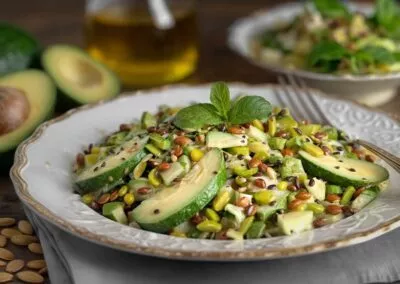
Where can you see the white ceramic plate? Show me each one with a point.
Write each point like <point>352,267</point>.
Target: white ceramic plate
<point>43,180</point>
<point>369,89</point>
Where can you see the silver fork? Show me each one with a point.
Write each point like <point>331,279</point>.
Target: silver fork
<point>295,95</point>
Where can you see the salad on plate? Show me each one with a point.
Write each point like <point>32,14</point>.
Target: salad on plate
<point>229,169</point>
<point>328,37</point>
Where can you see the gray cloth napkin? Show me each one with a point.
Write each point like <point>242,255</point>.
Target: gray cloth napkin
<point>72,260</point>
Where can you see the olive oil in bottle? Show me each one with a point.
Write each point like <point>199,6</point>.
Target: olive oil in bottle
<point>125,38</point>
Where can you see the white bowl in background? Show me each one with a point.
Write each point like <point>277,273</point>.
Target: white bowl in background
<point>372,90</point>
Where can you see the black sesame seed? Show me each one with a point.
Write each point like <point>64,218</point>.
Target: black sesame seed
<point>298,130</point>
<point>311,182</point>
<point>364,179</point>
<point>240,157</point>
<point>308,139</point>
<point>339,148</point>
<point>242,141</point>
<point>95,169</point>
<point>352,170</point>
<point>341,161</point>
<point>156,211</point>
<point>215,172</point>
<point>337,167</point>
<point>244,136</point>
<point>123,159</point>
<point>336,153</point>
<point>103,164</point>
<point>271,186</point>
<point>272,203</point>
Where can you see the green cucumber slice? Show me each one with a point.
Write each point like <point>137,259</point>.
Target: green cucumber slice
<point>113,168</point>
<point>173,205</point>
<point>343,171</point>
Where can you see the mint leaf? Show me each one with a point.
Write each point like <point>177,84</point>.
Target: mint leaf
<point>220,98</point>
<point>385,12</point>
<point>379,55</point>
<point>249,108</point>
<point>332,8</point>
<point>326,56</point>
<point>197,116</point>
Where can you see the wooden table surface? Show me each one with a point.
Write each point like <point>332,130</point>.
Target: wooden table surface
<point>62,21</point>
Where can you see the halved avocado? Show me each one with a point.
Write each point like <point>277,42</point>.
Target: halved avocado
<point>27,98</point>
<point>80,79</point>
<point>173,205</point>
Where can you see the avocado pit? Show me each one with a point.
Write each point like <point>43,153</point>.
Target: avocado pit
<point>14,109</point>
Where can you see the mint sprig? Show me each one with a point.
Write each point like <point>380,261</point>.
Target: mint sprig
<point>222,110</point>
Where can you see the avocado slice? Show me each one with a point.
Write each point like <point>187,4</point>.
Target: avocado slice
<point>225,140</point>
<point>115,211</point>
<point>173,205</point>
<point>175,170</point>
<point>366,197</point>
<point>295,222</point>
<point>113,168</point>
<point>316,187</point>
<point>257,134</point>
<point>31,95</point>
<point>18,49</point>
<point>80,78</point>
<point>344,171</point>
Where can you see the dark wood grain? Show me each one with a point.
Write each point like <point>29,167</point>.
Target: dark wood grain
<point>62,21</point>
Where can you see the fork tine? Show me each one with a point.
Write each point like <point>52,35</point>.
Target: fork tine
<point>324,119</point>
<point>291,103</point>
<point>302,99</point>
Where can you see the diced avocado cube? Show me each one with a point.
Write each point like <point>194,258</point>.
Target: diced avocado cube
<point>257,134</point>
<point>148,120</point>
<point>153,149</point>
<point>295,222</point>
<point>275,156</point>
<point>309,129</point>
<point>160,142</point>
<point>291,167</point>
<point>256,231</point>
<point>117,138</point>
<point>366,197</point>
<point>185,163</point>
<point>115,211</point>
<point>277,143</point>
<point>216,139</point>
<point>236,211</point>
<point>91,159</point>
<point>331,131</point>
<point>333,189</point>
<point>317,188</point>
<point>286,122</point>
<point>175,170</point>
<point>259,147</point>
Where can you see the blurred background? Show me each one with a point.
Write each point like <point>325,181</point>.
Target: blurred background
<point>63,22</point>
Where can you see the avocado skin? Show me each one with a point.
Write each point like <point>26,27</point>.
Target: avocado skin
<point>316,171</point>
<point>205,197</point>
<point>18,49</point>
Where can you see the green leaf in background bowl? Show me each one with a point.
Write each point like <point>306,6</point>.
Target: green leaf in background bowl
<point>326,55</point>
<point>332,8</point>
